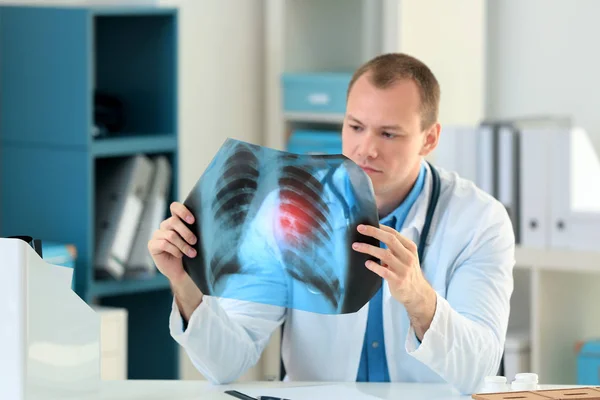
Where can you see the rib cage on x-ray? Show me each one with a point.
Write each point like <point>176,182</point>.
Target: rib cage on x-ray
<point>268,221</point>
<point>305,248</point>
<point>230,208</point>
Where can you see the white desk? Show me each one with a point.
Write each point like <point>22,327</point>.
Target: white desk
<point>202,390</point>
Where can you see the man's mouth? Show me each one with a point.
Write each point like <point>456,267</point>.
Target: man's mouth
<point>369,170</point>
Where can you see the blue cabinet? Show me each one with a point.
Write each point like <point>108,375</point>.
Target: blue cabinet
<point>316,92</point>
<point>588,364</point>
<point>315,142</point>
<point>56,138</point>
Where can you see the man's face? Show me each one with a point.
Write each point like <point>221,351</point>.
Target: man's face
<point>382,134</point>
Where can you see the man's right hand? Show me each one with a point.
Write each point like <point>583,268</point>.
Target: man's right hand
<point>171,242</point>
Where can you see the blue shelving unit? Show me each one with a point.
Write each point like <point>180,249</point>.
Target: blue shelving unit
<point>53,60</point>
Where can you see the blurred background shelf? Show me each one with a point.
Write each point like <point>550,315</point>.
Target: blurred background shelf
<point>558,259</point>
<point>85,88</point>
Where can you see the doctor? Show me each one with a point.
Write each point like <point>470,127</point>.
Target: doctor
<point>447,255</point>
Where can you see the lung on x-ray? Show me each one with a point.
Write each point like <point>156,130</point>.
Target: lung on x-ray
<point>277,228</point>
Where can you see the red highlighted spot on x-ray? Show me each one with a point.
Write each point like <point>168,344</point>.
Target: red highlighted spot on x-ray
<point>294,215</point>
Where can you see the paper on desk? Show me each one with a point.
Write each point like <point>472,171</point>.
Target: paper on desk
<point>315,392</point>
<point>277,228</point>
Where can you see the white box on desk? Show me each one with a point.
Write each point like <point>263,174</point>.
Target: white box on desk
<point>49,337</point>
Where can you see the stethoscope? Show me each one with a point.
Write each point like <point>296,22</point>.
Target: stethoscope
<point>433,201</point>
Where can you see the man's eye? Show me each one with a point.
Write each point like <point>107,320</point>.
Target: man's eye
<point>356,128</point>
<point>388,135</point>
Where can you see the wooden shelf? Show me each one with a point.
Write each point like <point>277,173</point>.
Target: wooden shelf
<point>558,259</point>
<point>110,10</point>
<point>125,145</point>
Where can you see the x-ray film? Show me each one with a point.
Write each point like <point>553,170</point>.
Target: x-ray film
<point>277,228</point>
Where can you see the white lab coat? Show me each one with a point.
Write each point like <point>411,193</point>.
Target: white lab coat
<point>468,260</point>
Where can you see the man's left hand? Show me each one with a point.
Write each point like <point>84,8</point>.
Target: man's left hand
<point>400,268</point>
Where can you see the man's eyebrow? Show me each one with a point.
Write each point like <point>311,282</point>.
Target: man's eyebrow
<point>385,127</point>
<point>392,127</point>
<point>354,119</point>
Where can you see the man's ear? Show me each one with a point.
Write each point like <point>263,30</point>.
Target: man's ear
<point>431,139</point>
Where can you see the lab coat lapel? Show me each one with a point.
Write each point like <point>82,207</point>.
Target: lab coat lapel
<point>395,318</point>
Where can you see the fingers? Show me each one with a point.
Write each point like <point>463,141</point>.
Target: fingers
<point>404,241</point>
<point>181,211</point>
<point>159,245</point>
<point>385,255</point>
<point>391,239</point>
<point>382,271</point>
<point>174,239</point>
<point>175,224</point>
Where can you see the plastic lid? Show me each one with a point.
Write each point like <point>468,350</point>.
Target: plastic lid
<point>526,377</point>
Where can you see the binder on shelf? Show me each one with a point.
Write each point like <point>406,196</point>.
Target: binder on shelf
<point>155,207</point>
<point>536,137</point>
<point>507,174</point>
<point>122,189</point>
<point>575,191</point>
<point>486,158</point>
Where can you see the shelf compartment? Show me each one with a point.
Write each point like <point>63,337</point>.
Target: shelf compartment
<point>135,64</point>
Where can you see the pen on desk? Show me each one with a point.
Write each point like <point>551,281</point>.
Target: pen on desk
<point>239,395</point>
<point>243,396</point>
<point>270,398</point>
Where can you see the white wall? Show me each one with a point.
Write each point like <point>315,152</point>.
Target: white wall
<point>542,59</point>
<point>449,36</point>
<point>221,64</point>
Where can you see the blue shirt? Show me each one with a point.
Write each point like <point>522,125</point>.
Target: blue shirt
<point>373,363</point>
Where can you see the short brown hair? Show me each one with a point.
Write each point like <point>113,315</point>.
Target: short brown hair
<point>387,69</point>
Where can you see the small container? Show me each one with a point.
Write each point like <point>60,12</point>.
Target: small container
<point>495,384</point>
<point>525,381</point>
<point>527,377</point>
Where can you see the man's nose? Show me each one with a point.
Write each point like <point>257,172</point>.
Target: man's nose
<point>367,146</point>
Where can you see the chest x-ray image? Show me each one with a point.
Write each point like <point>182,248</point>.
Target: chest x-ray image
<point>277,228</point>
